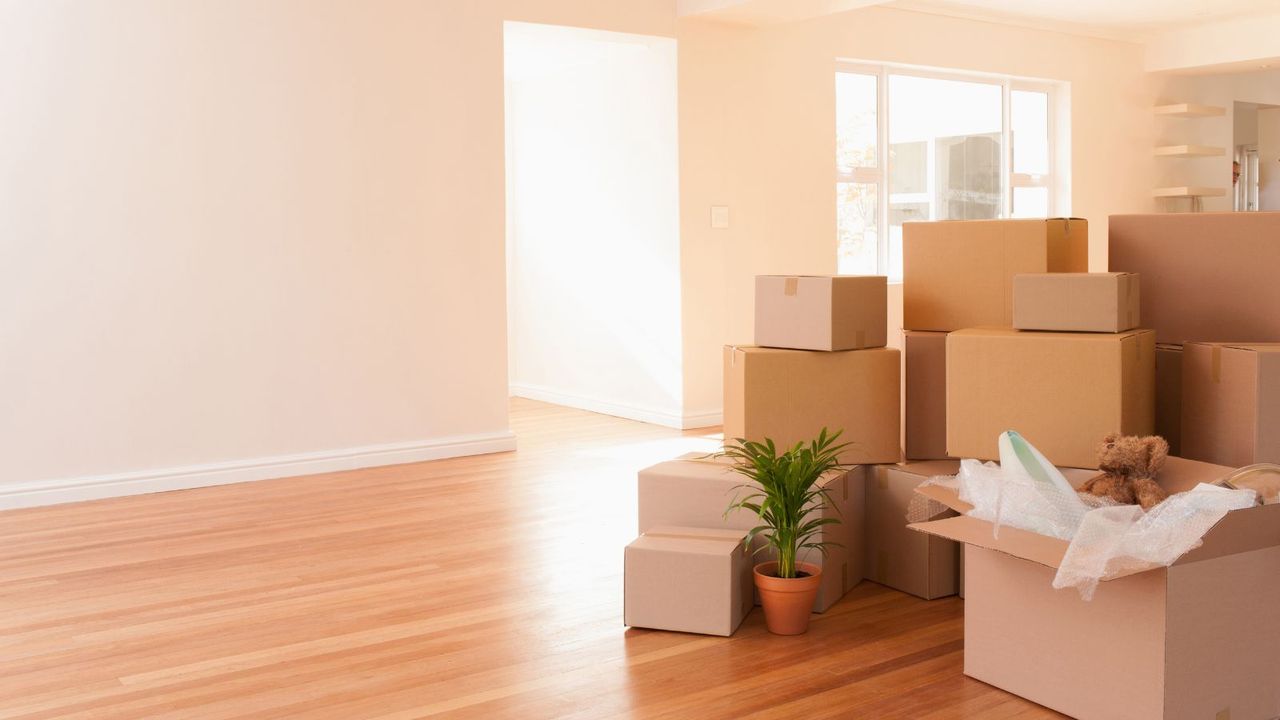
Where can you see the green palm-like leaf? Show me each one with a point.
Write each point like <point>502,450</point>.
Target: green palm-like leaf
<point>783,491</point>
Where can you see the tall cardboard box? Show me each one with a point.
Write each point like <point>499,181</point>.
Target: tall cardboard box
<point>959,273</point>
<point>1231,403</point>
<point>1076,302</point>
<point>1206,277</point>
<point>822,312</point>
<point>897,556</point>
<point>1169,396</point>
<point>789,396</point>
<point>1063,391</point>
<point>1192,641</point>
<point>925,390</point>
<point>695,491</point>
<point>684,579</point>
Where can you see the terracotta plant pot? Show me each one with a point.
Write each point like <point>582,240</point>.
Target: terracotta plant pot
<point>787,601</point>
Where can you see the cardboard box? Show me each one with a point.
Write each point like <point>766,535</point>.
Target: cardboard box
<point>1063,391</point>
<point>790,395</point>
<point>687,579</point>
<point>1231,403</point>
<point>1169,396</point>
<point>925,390</point>
<point>1076,302</point>
<point>694,491</point>
<point>1196,640</point>
<point>822,312</point>
<point>959,274</point>
<point>897,556</point>
<point>1207,277</point>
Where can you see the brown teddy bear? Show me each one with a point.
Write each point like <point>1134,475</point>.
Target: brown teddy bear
<point>1129,466</point>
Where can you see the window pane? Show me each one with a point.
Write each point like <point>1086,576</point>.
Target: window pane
<point>856,226</point>
<point>855,121</point>
<point>1029,121</point>
<point>944,153</point>
<point>1030,202</point>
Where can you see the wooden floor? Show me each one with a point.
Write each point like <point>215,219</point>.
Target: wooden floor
<point>486,587</point>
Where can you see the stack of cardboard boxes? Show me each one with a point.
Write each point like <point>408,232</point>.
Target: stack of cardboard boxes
<point>1064,365</point>
<point>1210,295</point>
<point>1005,329</point>
<point>820,362</point>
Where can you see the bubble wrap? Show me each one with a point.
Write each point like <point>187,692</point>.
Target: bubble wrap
<point>1123,539</point>
<point>1106,539</point>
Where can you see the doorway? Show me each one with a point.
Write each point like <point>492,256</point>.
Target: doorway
<point>593,251</point>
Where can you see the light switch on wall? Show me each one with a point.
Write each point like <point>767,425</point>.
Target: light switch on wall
<point>719,216</point>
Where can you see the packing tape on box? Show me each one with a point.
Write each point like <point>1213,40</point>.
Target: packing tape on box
<point>742,544</point>
<point>1215,363</point>
<point>790,285</point>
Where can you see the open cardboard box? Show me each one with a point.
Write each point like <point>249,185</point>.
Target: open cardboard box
<point>1199,639</point>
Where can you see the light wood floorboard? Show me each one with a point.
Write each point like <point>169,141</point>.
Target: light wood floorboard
<point>485,587</point>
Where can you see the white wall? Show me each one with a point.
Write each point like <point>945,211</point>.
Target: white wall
<point>593,221</point>
<point>1269,159</point>
<point>253,238</point>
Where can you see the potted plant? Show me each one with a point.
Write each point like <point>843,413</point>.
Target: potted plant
<point>785,494</point>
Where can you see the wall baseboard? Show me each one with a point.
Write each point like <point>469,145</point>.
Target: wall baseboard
<point>97,487</point>
<point>655,416</point>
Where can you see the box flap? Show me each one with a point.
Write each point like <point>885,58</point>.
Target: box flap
<point>1239,531</point>
<point>1031,546</point>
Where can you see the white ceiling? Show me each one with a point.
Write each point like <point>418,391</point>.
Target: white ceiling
<point>1109,17</point>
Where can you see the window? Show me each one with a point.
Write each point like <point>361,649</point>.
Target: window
<point>915,145</point>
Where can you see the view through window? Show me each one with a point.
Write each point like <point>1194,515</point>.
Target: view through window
<point>912,145</point>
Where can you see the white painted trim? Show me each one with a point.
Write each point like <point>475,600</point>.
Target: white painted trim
<point>666,418</point>
<point>96,487</point>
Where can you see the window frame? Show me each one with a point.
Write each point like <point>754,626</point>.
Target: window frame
<point>878,175</point>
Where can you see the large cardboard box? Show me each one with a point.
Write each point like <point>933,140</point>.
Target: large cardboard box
<point>789,396</point>
<point>1231,403</point>
<point>897,556</point>
<point>1206,277</point>
<point>1076,302</point>
<point>685,579</point>
<point>822,312</point>
<point>695,491</point>
<point>1169,396</point>
<point>959,274</point>
<point>1193,641</point>
<point>925,410</point>
<point>1063,391</point>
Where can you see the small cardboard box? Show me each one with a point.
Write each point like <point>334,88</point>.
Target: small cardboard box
<point>1169,396</point>
<point>1192,641</point>
<point>1076,302</point>
<point>1063,391</point>
<point>822,312</point>
<point>925,410</point>
<point>1231,403</point>
<point>1206,276</point>
<point>695,491</point>
<point>959,273</point>
<point>687,579</point>
<point>901,558</point>
<point>790,395</point>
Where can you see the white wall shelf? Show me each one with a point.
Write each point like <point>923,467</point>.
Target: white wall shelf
<point>1186,151</point>
<point>1188,191</point>
<point>1190,110</point>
